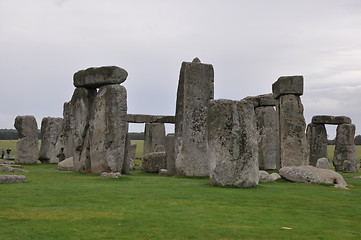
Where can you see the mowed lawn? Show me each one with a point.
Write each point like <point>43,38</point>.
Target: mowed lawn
<point>69,205</point>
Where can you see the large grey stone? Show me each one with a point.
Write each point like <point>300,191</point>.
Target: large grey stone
<point>141,118</point>
<point>12,178</point>
<point>268,143</point>
<point>195,90</point>
<point>9,168</point>
<point>98,77</point>
<point>169,144</point>
<point>288,85</point>
<point>108,129</point>
<point>345,152</point>
<point>263,100</point>
<point>153,162</point>
<point>50,134</point>
<point>317,140</point>
<point>154,134</point>
<point>232,143</point>
<point>335,120</point>
<point>66,165</point>
<point>311,174</point>
<point>294,149</point>
<point>323,163</point>
<point>27,151</point>
<point>266,177</point>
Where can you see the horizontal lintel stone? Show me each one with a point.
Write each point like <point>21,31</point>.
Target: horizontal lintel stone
<point>141,118</point>
<point>288,85</point>
<point>262,100</point>
<point>334,120</point>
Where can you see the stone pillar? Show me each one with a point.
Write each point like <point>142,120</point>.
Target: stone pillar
<point>50,134</point>
<point>27,151</point>
<point>169,145</point>
<point>345,153</point>
<point>195,90</point>
<point>232,143</point>
<point>294,149</point>
<point>154,134</point>
<point>317,140</point>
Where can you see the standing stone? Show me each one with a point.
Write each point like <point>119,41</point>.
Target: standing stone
<point>27,151</point>
<point>153,162</point>
<point>195,90</point>
<point>232,143</point>
<point>66,138</point>
<point>127,158</point>
<point>317,140</point>
<point>322,163</point>
<point>132,151</point>
<point>345,153</point>
<point>108,129</point>
<point>153,136</point>
<point>294,149</point>
<point>268,144</point>
<point>50,134</point>
<point>169,144</point>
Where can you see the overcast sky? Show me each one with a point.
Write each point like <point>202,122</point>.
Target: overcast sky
<point>249,43</point>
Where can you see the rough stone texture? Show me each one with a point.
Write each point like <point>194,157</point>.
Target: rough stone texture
<point>66,140</point>
<point>294,149</point>
<point>268,143</point>
<point>131,155</point>
<point>345,149</point>
<point>195,90</point>
<point>12,178</point>
<point>232,143</point>
<point>335,120</point>
<point>323,163</point>
<point>27,151</point>
<point>108,129</point>
<point>169,144</point>
<point>311,174</point>
<point>153,162</point>
<point>98,77</point>
<point>153,136</point>
<point>317,140</point>
<point>140,118</point>
<point>266,177</point>
<point>50,134</point>
<point>66,165</point>
<point>288,85</point>
<point>263,100</point>
<point>12,169</point>
<point>110,175</point>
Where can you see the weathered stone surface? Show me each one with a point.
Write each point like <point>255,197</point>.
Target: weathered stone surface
<point>288,85</point>
<point>50,134</point>
<point>129,164</point>
<point>294,149</point>
<point>263,100</point>
<point>66,165</point>
<point>266,177</point>
<point>232,143</point>
<point>27,151</point>
<point>12,169</point>
<point>317,140</point>
<point>335,120</point>
<point>169,144</point>
<point>345,149</point>
<point>195,90</point>
<point>140,118</point>
<point>323,163</point>
<point>12,178</point>
<point>108,129</point>
<point>66,140</point>
<point>153,162</point>
<point>153,136</point>
<point>98,77</point>
<point>311,174</point>
<point>268,143</point>
<point>110,175</point>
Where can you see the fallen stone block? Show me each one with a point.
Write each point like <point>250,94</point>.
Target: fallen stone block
<point>12,178</point>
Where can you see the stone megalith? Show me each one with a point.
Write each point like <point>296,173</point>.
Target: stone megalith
<point>195,90</point>
<point>66,138</point>
<point>294,149</point>
<point>154,134</point>
<point>50,134</point>
<point>108,129</point>
<point>345,153</point>
<point>317,140</point>
<point>153,162</point>
<point>169,145</point>
<point>232,143</point>
<point>27,151</point>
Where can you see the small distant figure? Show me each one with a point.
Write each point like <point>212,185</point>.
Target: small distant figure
<point>8,153</point>
<point>61,155</point>
<point>2,153</point>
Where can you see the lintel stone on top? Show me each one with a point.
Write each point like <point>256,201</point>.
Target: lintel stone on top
<point>141,118</point>
<point>262,100</point>
<point>334,120</point>
<point>100,76</point>
<point>288,85</point>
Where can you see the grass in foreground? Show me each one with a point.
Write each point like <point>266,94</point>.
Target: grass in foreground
<point>71,205</point>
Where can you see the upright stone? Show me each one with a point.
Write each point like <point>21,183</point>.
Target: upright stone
<point>232,143</point>
<point>50,134</point>
<point>108,129</point>
<point>27,151</point>
<point>66,140</point>
<point>195,90</point>
<point>153,136</point>
<point>317,140</point>
<point>169,144</point>
<point>294,149</point>
<point>345,153</point>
